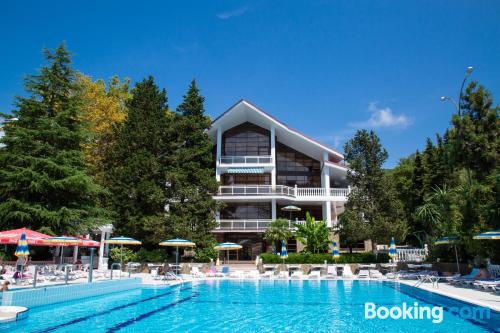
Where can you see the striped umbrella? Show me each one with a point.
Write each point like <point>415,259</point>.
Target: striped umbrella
<point>177,242</point>
<point>493,235</point>
<point>291,209</point>
<point>284,252</point>
<point>450,240</point>
<point>122,240</point>
<point>22,247</point>
<point>227,247</point>
<point>61,241</point>
<point>335,252</point>
<point>393,252</point>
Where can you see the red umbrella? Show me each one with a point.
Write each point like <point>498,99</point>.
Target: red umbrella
<point>84,242</point>
<point>32,237</point>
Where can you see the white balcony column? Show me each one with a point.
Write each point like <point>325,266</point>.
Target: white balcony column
<point>325,175</point>
<point>273,156</point>
<point>218,153</point>
<point>327,213</point>
<point>273,209</point>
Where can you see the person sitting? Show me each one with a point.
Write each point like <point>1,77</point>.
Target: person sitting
<point>5,286</point>
<point>483,273</point>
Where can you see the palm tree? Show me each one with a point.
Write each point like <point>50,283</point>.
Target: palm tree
<point>278,230</point>
<point>314,234</point>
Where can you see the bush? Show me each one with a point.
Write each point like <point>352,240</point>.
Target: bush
<point>319,258</point>
<point>121,255</point>
<point>158,255</point>
<point>205,254</point>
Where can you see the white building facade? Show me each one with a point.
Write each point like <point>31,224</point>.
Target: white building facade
<point>263,166</point>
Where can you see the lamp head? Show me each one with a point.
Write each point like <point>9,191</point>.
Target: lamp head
<point>443,98</point>
<point>469,70</point>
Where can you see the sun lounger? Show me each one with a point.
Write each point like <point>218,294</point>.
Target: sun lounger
<point>196,273</point>
<point>268,272</point>
<point>460,280</point>
<point>375,274</point>
<point>487,285</point>
<point>315,273</point>
<point>297,275</point>
<point>331,272</point>
<point>253,274</point>
<point>237,275</point>
<point>363,274</point>
<point>347,272</point>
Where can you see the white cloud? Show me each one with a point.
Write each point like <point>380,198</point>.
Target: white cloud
<point>383,117</point>
<point>232,13</point>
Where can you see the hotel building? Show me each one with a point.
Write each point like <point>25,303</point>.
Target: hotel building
<point>262,166</point>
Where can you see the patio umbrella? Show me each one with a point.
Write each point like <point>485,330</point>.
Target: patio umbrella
<point>291,209</point>
<point>61,241</point>
<point>227,247</point>
<point>450,240</point>
<point>177,242</point>
<point>490,235</point>
<point>32,237</point>
<point>22,250</point>
<point>335,252</point>
<point>393,252</point>
<point>121,240</point>
<point>284,252</point>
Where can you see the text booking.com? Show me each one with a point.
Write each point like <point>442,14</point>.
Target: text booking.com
<point>415,311</point>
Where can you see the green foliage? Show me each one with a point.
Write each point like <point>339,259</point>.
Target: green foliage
<point>137,165</point>
<point>43,176</point>
<point>313,234</point>
<point>278,230</point>
<point>372,210</point>
<point>123,255</point>
<point>206,253</point>
<point>319,258</point>
<point>191,175</point>
<point>156,256</point>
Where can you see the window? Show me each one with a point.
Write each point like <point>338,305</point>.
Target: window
<point>246,140</point>
<point>294,168</point>
<point>246,179</point>
<point>246,211</point>
<point>315,211</point>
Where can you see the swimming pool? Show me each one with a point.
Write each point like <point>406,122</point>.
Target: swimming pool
<point>249,306</point>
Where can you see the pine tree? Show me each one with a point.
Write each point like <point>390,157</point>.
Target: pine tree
<point>372,208</point>
<point>43,180</point>
<point>191,176</point>
<point>137,165</point>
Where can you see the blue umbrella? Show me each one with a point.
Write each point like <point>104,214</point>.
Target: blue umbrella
<point>453,241</point>
<point>22,247</point>
<point>489,235</point>
<point>393,252</point>
<point>62,241</point>
<point>227,247</point>
<point>284,252</point>
<point>335,252</point>
<point>177,242</point>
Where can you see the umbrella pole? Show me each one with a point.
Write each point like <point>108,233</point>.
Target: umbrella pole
<point>62,251</point>
<point>121,256</point>
<point>227,257</point>
<point>177,259</point>
<point>456,257</point>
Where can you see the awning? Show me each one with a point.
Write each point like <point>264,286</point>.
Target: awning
<point>245,170</point>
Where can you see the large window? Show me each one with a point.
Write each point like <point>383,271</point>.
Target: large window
<point>294,168</point>
<point>315,211</point>
<point>246,140</point>
<point>246,179</point>
<point>246,211</point>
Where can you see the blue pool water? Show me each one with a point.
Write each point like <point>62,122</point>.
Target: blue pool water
<point>249,306</point>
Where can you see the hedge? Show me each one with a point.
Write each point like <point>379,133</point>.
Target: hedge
<point>319,258</point>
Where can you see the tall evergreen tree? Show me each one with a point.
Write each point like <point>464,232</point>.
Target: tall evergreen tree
<point>43,180</point>
<point>137,165</point>
<point>372,207</point>
<point>191,176</point>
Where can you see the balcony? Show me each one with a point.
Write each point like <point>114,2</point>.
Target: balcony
<point>248,225</point>
<point>244,160</point>
<point>295,193</point>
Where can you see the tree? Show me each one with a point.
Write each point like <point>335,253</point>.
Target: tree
<point>372,206</point>
<point>103,108</point>
<point>278,230</point>
<point>313,234</point>
<point>136,167</point>
<point>191,175</point>
<point>43,179</point>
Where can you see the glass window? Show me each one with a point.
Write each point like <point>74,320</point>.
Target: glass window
<point>294,168</point>
<point>246,179</point>
<point>246,140</point>
<point>246,211</point>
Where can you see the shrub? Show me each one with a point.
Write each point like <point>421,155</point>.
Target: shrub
<point>121,255</point>
<point>205,254</point>
<point>319,258</point>
<point>143,255</point>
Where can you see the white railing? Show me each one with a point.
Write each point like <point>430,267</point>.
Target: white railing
<point>411,255</point>
<point>246,160</point>
<point>295,192</point>
<point>250,224</point>
<point>256,190</point>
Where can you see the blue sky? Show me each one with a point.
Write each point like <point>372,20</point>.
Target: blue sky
<point>323,67</point>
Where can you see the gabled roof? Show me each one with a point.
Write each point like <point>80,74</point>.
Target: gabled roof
<point>244,111</point>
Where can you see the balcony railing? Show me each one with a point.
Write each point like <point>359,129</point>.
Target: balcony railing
<point>246,160</point>
<point>281,190</point>
<point>250,224</point>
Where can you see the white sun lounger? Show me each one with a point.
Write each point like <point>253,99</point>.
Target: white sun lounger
<point>347,272</point>
<point>364,274</point>
<point>314,274</point>
<point>375,274</point>
<point>331,272</point>
<point>297,275</point>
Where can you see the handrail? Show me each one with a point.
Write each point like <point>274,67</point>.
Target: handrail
<point>244,190</point>
<point>264,159</point>
<point>250,224</point>
<point>116,264</point>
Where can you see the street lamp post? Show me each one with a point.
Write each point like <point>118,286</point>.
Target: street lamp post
<point>458,105</point>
